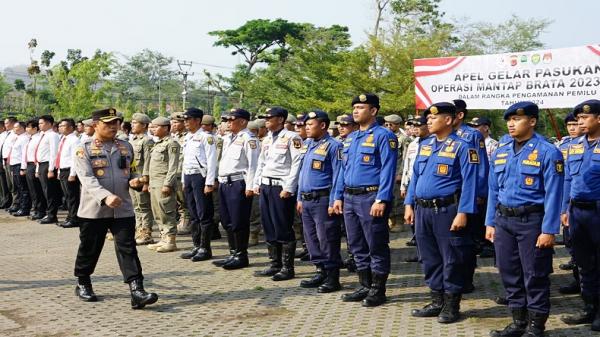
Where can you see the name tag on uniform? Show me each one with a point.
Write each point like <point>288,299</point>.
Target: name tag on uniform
<point>425,151</point>
<point>499,161</point>
<point>502,155</point>
<point>447,154</point>
<point>532,163</point>
<point>596,150</point>
<point>368,144</point>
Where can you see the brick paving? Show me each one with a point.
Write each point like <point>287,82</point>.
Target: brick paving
<point>197,299</point>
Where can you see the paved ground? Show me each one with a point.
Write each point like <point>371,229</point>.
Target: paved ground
<point>198,299</point>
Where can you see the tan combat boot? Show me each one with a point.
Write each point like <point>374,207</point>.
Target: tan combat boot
<point>392,223</point>
<point>253,240</point>
<point>162,241</point>
<point>145,237</point>
<point>169,245</point>
<point>184,226</point>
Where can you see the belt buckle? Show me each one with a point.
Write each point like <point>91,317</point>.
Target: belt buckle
<point>435,205</point>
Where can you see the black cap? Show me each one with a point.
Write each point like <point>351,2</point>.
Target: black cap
<point>275,111</point>
<point>320,114</point>
<point>522,109</point>
<point>345,120</point>
<point>461,106</point>
<point>237,113</point>
<point>105,115</point>
<point>591,106</point>
<point>441,108</point>
<point>418,121</point>
<point>570,117</point>
<point>478,121</point>
<point>193,113</point>
<point>366,99</point>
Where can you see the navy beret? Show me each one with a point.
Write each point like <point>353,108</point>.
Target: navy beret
<point>316,114</point>
<point>441,108</point>
<point>591,106</point>
<point>275,111</point>
<point>522,109</point>
<point>366,99</point>
<point>460,105</point>
<point>193,113</point>
<point>570,117</point>
<point>418,120</point>
<point>478,121</point>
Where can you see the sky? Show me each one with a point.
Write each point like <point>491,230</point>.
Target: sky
<point>179,28</point>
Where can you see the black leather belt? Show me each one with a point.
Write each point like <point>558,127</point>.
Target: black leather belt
<point>361,190</point>
<point>314,195</point>
<point>519,211</point>
<point>438,202</point>
<point>584,204</point>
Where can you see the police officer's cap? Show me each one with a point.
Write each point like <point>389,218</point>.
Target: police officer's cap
<point>393,118</point>
<point>570,117</point>
<point>161,121</point>
<point>300,120</point>
<point>275,111</point>
<point>461,106</point>
<point>441,108</point>
<point>177,116</point>
<point>105,115</point>
<point>140,118</point>
<point>367,98</point>
<point>238,113</point>
<point>208,120</point>
<point>479,121</point>
<point>320,114</point>
<point>87,122</point>
<point>193,113</point>
<point>345,120</point>
<point>591,106</point>
<point>525,108</point>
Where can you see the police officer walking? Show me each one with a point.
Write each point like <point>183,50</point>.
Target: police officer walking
<point>318,175</point>
<point>199,173</point>
<point>103,165</point>
<point>162,173</point>
<point>276,181</point>
<point>581,209</point>
<point>441,193</point>
<point>236,180</point>
<point>525,185</point>
<point>364,195</point>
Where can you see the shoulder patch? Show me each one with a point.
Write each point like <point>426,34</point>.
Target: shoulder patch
<point>393,143</point>
<point>252,143</point>
<point>473,156</point>
<point>340,154</point>
<point>297,143</point>
<point>210,140</point>
<point>482,144</point>
<point>80,152</point>
<point>559,166</point>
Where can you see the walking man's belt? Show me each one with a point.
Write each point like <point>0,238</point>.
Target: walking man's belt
<point>271,181</point>
<point>361,190</point>
<point>585,204</point>
<point>519,211</point>
<point>228,179</point>
<point>314,195</point>
<point>438,202</point>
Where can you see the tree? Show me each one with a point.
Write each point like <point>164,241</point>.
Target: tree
<point>255,38</point>
<point>81,88</point>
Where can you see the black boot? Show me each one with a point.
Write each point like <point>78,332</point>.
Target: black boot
<point>516,328</point>
<point>596,321</point>
<point>451,310</point>
<point>139,297</point>
<point>364,278</point>
<point>316,280</point>
<point>350,263</point>
<point>232,251</point>
<point>432,309</point>
<point>303,253</point>
<point>376,295</point>
<point>215,233</point>
<point>240,259</point>
<point>287,271</point>
<point>189,254</point>
<point>274,250</point>
<point>204,253</point>
<point>571,288</point>
<point>332,282</point>
<point>536,325</point>
<point>501,300</point>
<point>586,315</point>
<point>85,293</point>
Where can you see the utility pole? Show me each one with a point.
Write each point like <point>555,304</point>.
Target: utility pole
<point>185,74</point>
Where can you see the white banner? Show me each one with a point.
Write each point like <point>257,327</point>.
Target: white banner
<point>554,78</point>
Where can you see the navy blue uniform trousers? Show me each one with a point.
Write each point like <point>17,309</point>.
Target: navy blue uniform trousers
<point>322,233</point>
<point>444,253</point>
<point>584,227</point>
<point>200,205</point>
<point>525,270</point>
<point>277,214</point>
<point>235,206</point>
<point>368,237</point>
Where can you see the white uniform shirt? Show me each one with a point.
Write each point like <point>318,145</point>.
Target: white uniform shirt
<point>9,141</point>
<point>240,155</point>
<point>200,155</point>
<point>29,153</point>
<point>67,151</point>
<point>47,148</point>
<point>18,148</point>
<point>490,146</point>
<point>409,161</point>
<point>280,158</point>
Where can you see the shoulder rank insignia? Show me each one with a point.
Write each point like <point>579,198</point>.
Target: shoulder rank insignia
<point>425,151</point>
<point>473,156</point>
<point>297,143</point>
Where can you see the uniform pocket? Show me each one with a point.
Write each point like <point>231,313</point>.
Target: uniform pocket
<point>542,262</point>
<point>530,177</point>
<point>459,249</point>
<point>367,156</point>
<point>443,167</point>
<point>575,166</point>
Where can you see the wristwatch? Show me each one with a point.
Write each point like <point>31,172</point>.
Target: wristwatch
<point>378,201</point>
